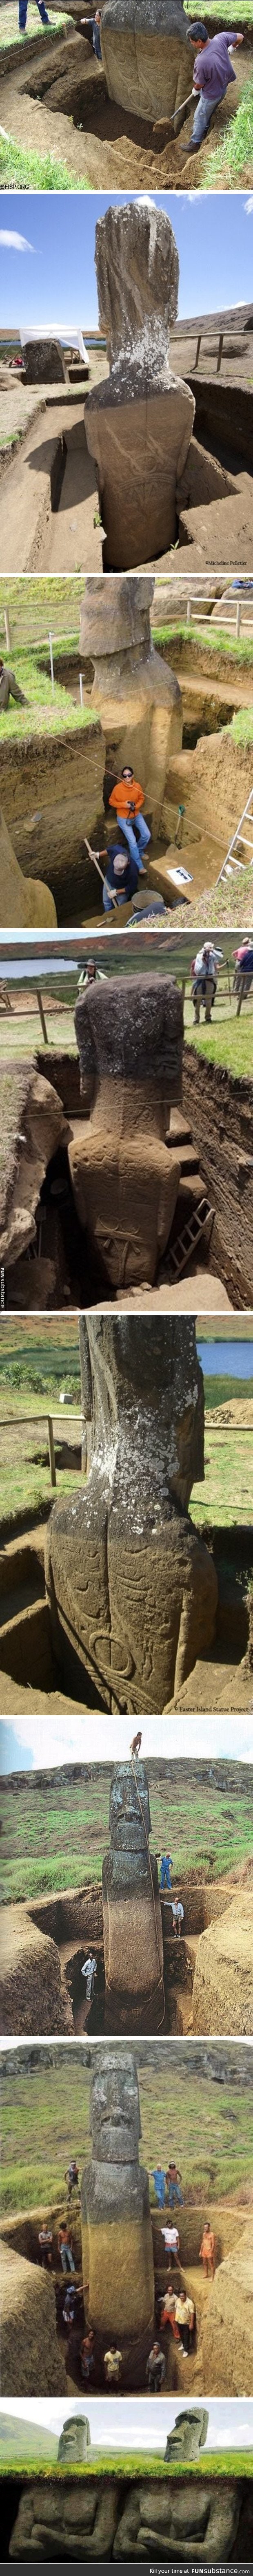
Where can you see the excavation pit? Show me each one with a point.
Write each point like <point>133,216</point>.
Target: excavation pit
<point>21,2251</point>
<point>45,1945</point>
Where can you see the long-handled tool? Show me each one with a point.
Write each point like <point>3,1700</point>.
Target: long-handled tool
<point>95,862</point>
<point>183,102</point>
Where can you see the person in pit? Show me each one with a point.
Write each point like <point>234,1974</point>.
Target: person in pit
<point>173,2181</point>
<point>112,2366</point>
<point>172,2243</point>
<point>127,799</point>
<point>9,689</point>
<point>91,30</point>
<point>156,2370</point>
<point>122,872</point>
<point>185,2319</point>
<point>207,2251</point>
<point>212,71</point>
<point>45,2246</point>
<point>65,2247</point>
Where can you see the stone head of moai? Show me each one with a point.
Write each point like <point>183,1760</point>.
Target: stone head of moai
<point>137,269</point>
<point>129,1814</point>
<point>189,2434</point>
<point>115,614</point>
<point>132,1030</point>
<point>114,2107</point>
<point>74,2440</point>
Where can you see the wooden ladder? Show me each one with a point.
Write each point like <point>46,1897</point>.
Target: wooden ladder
<point>187,1240</point>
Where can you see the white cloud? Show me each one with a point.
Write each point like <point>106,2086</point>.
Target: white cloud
<point>49,1741</point>
<point>16,241</point>
<point>248,208</point>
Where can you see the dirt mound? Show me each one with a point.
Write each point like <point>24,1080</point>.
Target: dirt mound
<point>30,2352</point>
<point>223,1981</point>
<point>226,2356</point>
<point>30,1977</point>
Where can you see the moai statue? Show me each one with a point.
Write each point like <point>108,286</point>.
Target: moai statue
<point>44,363</point>
<point>125,1184</point>
<point>117,2250</point>
<point>74,2440</point>
<point>189,2435</point>
<point>145,55</point>
<point>133,1940</point>
<point>132,1590</point>
<point>180,2519</point>
<point>135,694</point>
<point>139,422</point>
<point>78,2522</point>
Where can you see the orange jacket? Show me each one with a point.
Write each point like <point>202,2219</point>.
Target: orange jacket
<point>125,795</point>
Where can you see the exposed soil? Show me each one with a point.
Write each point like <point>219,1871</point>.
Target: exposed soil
<point>44,1945</point>
<point>51,489</point>
<point>53,91</point>
<point>39,2298</point>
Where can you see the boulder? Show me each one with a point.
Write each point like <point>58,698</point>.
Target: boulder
<point>139,425</point>
<point>146,56</point>
<point>130,1040</point>
<point>132,1591</point>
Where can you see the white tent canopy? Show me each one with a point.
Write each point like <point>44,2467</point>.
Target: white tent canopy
<point>44,331</point>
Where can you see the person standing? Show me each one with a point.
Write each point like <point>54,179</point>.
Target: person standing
<point>212,71</point>
<point>127,799</point>
<point>207,2251</point>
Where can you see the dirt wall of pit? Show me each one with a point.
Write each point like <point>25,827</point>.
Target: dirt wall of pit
<point>21,2233</point>
<point>223,419</point>
<point>220,1112</point>
<point>223,1982</point>
<point>31,2359</point>
<point>59,782</point>
<point>225,2358</point>
<point>31,1995</point>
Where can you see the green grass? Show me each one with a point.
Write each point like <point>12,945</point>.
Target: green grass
<point>212,2126</point>
<point>243,13</point>
<point>35,171</point>
<point>44,713</point>
<point>233,157</point>
<point>211,639</point>
<point>54,1835</point>
<point>32,609</point>
<point>242,727</point>
<point>227,1042</point>
<point>134,2464</point>
<point>31,1374</point>
<point>230,906</point>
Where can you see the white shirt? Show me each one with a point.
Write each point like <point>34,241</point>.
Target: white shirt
<point>171,2237</point>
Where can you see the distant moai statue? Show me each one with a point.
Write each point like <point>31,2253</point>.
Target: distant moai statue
<point>74,2440</point>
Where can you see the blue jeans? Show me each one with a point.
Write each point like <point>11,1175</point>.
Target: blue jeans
<point>108,903</point>
<point>67,2259</point>
<point>22,14</point>
<point>165,1880</point>
<point>203,112</point>
<point>130,832</point>
<point>175,2194</point>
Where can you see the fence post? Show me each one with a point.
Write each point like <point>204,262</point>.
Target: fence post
<point>189,611</point>
<point>51,661</point>
<point>51,1449</point>
<point>7,629</point>
<point>42,1018</point>
<point>81,686</point>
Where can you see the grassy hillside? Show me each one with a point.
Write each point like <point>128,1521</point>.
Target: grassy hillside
<point>45,2118</point>
<point>136,2464</point>
<point>56,1827</point>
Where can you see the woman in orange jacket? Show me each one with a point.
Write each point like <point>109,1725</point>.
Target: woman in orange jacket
<point>127,799</point>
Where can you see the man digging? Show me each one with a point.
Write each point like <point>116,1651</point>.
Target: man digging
<point>212,71</point>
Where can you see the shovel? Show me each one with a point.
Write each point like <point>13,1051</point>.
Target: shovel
<point>183,102</point>
<point>95,862</point>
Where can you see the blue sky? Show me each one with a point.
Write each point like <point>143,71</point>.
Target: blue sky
<point>37,1743</point>
<point>118,2421</point>
<point>53,280</point>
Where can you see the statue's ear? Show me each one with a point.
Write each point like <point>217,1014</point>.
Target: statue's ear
<point>204,2427</point>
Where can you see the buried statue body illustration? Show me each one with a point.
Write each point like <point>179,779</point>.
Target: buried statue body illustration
<point>168,2519</point>
<point>139,423</point>
<point>132,1590</point>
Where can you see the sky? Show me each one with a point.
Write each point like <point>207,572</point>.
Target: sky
<point>230,2422</point>
<point>47,261</point>
<point>38,1743</point>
